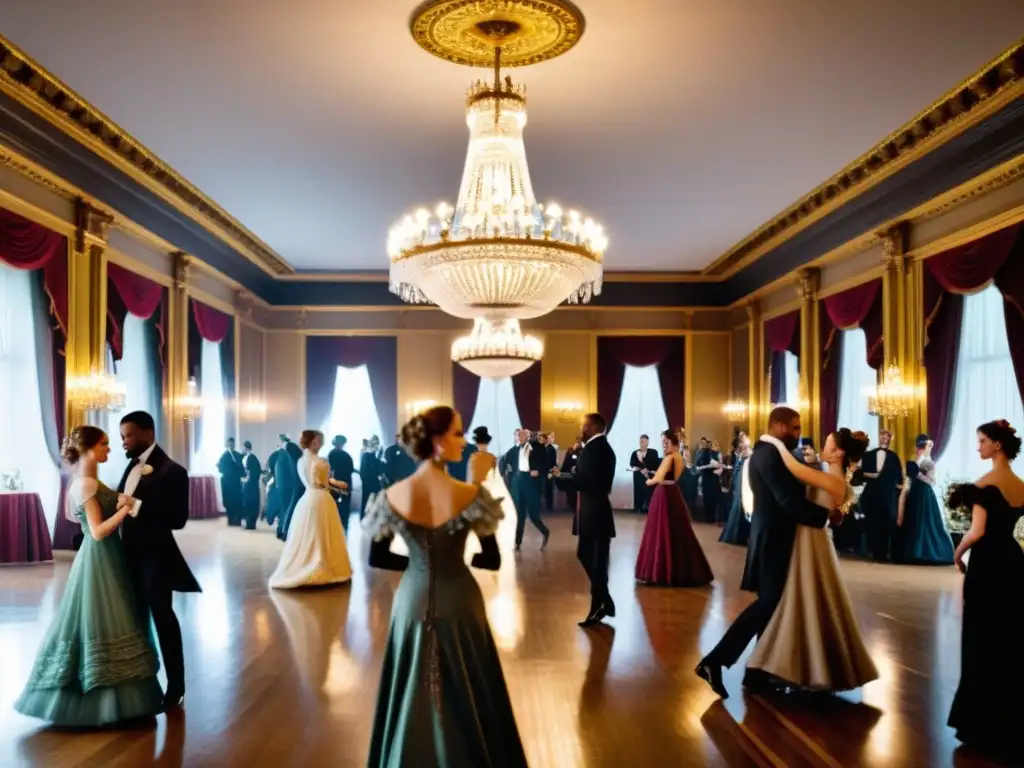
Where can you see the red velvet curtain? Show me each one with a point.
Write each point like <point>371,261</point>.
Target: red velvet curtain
<point>614,353</point>
<point>526,387</point>
<point>781,335</point>
<point>465,390</point>
<point>858,307</point>
<point>998,258</point>
<point>129,293</point>
<point>325,354</point>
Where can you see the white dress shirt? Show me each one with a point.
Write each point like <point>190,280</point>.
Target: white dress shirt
<point>136,475</point>
<point>880,460</point>
<point>524,457</point>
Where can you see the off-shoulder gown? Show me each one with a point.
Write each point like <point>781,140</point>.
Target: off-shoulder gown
<point>442,699</point>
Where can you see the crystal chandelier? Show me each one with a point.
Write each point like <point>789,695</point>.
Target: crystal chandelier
<point>892,398</point>
<point>191,404</point>
<point>497,348</point>
<point>735,411</point>
<point>98,391</point>
<point>497,252</point>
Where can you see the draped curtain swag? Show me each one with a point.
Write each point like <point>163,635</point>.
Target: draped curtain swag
<point>465,391</point>
<point>950,275</point>
<point>614,353</point>
<point>325,354</point>
<point>781,335</point>
<point>208,324</point>
<point>526,388</point>
<point>129,293</point>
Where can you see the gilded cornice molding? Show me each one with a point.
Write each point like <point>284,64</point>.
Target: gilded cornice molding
<point>1006,175</point>
<point>32,86</point>
<point>988,90</point>
<point>31,171</point>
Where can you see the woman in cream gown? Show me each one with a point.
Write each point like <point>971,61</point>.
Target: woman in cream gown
<point>483,471</point>
<point>813,640</point>
<point>314,553</point>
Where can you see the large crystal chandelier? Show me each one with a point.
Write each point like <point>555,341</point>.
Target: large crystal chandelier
<point>97,391</point>
<point>497,256</point>
<point>892,398</point>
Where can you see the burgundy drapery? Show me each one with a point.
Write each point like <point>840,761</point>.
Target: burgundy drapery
<point>858,307</point>
<point>781,335</point>
<point>998,258</point>
<point>614,353</point>
<point>129,293</point>
<point>325,354</point>
<point>526,387</point>
<point>27,245</point>
<point>208,324</point>
<point>465,390</point>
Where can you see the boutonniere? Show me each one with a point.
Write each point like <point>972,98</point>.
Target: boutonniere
<point>146,470</point>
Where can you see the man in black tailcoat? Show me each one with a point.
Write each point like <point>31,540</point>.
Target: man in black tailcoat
<point>594,523</point>
<point>157,487</point>
<point>398,464</point>
<point>342,466</point>
<point>287,470</point>
<point>879,502</point>
<point>250,486</point>
<point>780,505</point>
<point>232,472</point>
<point>529,466</point>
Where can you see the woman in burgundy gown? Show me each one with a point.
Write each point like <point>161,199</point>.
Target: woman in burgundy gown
<point>670,554</point>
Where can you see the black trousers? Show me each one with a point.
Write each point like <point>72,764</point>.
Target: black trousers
<point>549,493</point>
<point>526,497</point>
<point>156,599</point>
<point>250,506</point>
<point>748,625</point>
<point>592,553</point>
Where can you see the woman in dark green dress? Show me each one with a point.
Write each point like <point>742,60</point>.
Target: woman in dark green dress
<point>443,699</point>
<point>97,664</point>
<point>737,525</point>
<point>922,538</point>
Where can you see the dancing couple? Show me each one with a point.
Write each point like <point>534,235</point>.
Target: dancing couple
<point>808,635</point>
<point>97,665</point>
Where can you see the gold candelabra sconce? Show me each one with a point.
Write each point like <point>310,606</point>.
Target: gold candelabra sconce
<point>191,403</point>
<point>735,411</point>
<point>892,397</point>
<point>568,411</point>
<point>97,391</point>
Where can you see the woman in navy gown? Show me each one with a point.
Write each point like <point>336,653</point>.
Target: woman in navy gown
<point>922,539</point>
<point>737,526</point>
<point>985,714</point>
<point>670,554</point>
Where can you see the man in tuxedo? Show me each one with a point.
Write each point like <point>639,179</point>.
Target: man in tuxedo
<point>780,505</point>
<point>158,489</point>
<point>342,467</point>
<point>879,502</point>
<point>291,488</point>
<point>594,524</point>
<point>231,474</point>
<point>565,482</point>
<point>250,486</point>
<point>643,463</point>
<point>398,464</point>
<point>548,442</point>
<point>507,463</point>
<point>529,465</point>
<point>371,467</point>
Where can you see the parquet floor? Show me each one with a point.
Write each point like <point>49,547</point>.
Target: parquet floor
<point>290,679</point>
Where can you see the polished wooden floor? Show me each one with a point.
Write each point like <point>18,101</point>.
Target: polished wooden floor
<point>290,679</point>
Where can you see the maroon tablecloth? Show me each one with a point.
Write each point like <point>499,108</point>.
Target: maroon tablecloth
<point>202,497</point>
<point>24,537</point>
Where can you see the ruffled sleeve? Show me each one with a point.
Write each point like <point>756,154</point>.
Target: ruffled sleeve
<point>484,513</point>
<point>84,489</point>
<point>381,523</point>
<point>963,496</point>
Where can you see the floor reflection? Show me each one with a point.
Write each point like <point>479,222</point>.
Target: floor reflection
<point>313,620</point>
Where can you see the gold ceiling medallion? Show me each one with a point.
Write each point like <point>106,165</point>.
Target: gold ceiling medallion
<point>467,31</point>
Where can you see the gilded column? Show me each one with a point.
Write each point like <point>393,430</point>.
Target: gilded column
<point>755,367</point>
<point>87,299</point>
<point>897,331</point>
<point>177,437</point>
<point>810,353</point>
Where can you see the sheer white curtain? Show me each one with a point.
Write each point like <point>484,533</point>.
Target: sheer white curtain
<point>496,409</point>
<point>986,387</point>
<point>137,373</point>
<point>641,412</point>
<point>857,380</point>
<point>211,389</point>
<point>23,448</point>
<point>354,415</point>
<point>792,393</point>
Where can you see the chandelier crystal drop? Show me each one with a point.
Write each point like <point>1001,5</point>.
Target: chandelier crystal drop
<point>497,251</point>
<point>497,348</point>
<point>97,391</point>
<point>892,398</point>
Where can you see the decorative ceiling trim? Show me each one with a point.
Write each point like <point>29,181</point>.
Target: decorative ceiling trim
<point>981,95</point>
<point>32,86</point>
<point>609,277</point>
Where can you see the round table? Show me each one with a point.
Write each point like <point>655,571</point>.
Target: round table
<point>24,536</point>
<point>202,498</point>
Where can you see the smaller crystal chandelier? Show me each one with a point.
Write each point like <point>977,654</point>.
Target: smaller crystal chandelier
<point>735,411</point>
<point>98,391</point>
<point>255,411</point>
<point>496,348</point>
<point>191,404</point>
<point>892,398</point>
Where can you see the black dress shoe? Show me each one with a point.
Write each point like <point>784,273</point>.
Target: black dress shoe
<point>711,674</point>
<point>544,545</point>
<point>596,616</point>
<point>609,608</point>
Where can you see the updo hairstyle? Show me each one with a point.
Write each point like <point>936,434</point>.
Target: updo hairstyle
<point>308,436</point>
<point>1001,432</point>
<point>420,432</point>
<point>671,436</point>
<point>922,441</point>
<point>852,444</point>
<point>81,440</point>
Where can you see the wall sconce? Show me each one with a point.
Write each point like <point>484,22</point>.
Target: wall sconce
<point>191,404</point>
<point>568,410</point>
<point>98,391</point>
<point>735,411</point>
<point>255,411</point>
<point>414,407</point>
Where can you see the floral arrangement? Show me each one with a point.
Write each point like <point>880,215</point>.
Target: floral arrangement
<point>11,481</point>
<point>958,517</point>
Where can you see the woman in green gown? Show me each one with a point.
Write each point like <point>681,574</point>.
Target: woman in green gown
<point>443,701</point>
<point>97,664</point>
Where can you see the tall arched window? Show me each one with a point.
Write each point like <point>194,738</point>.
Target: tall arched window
<point>641,411</point>
<point>23,449</point>
<point>354,415</point>
<point>496,409</point>
<point>792,393</point>
<point>214,418</point>
<point>857,380</point>
<point>139,373</point>
<point>986,387</point>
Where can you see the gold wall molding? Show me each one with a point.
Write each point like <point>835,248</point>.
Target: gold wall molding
<point>810,352</point>
<point>990,181</point>
<point>988,90</point>
<point>30,170</point>
<point>28,83</point>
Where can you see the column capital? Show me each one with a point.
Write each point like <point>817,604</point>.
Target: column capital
<point>181,269</point>
<point>244,303</point>
<point>753,309</point>
<point>894,246</point>
<point>91,225</point>
<point>809,283</point>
